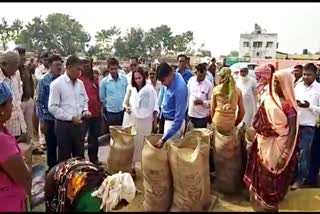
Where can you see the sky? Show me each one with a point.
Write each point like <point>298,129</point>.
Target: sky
<point>218,25</point>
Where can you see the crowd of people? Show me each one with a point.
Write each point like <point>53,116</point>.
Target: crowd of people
<point>75,104</point>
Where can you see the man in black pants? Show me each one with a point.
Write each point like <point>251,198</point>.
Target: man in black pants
<point>45,117</point>
<point>68,103</point>
<point>200,90</point>
<point>92,125</point>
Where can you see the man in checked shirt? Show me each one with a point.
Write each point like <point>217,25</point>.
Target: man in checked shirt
<point>9,73</point>
<point>46,119</point>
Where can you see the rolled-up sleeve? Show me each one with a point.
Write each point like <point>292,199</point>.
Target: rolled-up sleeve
<point>181,99</point>
<point>54,103</point>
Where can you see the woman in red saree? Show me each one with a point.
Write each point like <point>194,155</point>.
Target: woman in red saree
<point>273,156</point>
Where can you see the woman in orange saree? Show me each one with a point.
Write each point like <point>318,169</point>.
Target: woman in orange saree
<point>273,156</point>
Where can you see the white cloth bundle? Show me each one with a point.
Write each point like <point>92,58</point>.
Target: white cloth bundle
<point>115,188</point>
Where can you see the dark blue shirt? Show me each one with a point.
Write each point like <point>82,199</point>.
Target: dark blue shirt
<point>186,76</point>
<point>43,97</point>
<point>175,106</point>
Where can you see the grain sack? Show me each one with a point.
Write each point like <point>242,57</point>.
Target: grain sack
<point>121,149</point>
<point>228,162</point>
<point>157,180</point>
<point>189,163</point>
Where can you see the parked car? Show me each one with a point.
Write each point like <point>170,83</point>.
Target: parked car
<point>235,68</point>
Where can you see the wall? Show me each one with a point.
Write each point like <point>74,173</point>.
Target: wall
<point>264,51</point>
<point>280,63</point>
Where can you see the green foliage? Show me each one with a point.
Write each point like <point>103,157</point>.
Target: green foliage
<point>9,32</point>
<point>58,32</point>
<point>63,34</point>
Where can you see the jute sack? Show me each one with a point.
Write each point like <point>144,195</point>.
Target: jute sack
<point>157,179</point>
<point>228,162</point>
<point>121,149</point>
<point>189,162</point>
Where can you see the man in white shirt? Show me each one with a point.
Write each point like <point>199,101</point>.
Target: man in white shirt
<point>297,71</point>
<point>209,75</point>
<point>308,99</point>
<point>43,68</point>
<point>68,103</point>
<point>133,63</point>
<point>153,81</point>
<point>39,73</point>
<point>199,89</point>
<point>248,87</point>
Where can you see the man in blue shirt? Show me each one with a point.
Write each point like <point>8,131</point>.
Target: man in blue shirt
<point>47,120</point>
<point>175,105</point>
<point>183,68</point>
<point>112,92</point>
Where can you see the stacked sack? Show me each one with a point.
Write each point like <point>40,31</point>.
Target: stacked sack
<point>227,157</point>
<point>121,149</point>
<point>181,164</point>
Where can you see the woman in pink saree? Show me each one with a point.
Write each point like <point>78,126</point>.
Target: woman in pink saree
<point>274,153</point>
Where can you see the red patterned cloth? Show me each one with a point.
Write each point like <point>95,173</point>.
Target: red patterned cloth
<point>267,188</point>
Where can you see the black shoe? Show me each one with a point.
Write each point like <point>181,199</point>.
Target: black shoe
<point>99,163</point>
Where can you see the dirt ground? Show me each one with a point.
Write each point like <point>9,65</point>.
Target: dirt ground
<point>299,200</point>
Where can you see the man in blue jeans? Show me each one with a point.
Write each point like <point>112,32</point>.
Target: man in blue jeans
<point>308,99</point>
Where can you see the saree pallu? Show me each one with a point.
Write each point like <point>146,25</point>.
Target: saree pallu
<point>267,188</point>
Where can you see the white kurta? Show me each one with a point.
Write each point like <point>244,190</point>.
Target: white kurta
<point>143,104</point>
<point>128,100</point>
<point>248,86</point>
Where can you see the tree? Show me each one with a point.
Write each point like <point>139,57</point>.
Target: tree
<point>34,36</point>
<point>159,40</point>
<point>9,32</point>
<point>202,52</point>
<point>57,32</point>
<point>132,44</point>
<point>182,42</point>
<point>120,48</point>
<point>233,54</point>
<point>66,35</point>
<point>106,38</point>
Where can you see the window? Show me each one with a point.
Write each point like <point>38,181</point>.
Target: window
<point>245,44</point>
<point>269,45</point>
<point>257,44</point>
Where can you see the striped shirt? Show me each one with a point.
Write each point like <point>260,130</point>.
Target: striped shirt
<point>16,125</point>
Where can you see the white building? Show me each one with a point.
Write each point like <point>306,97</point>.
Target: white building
<point>258,44</point>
